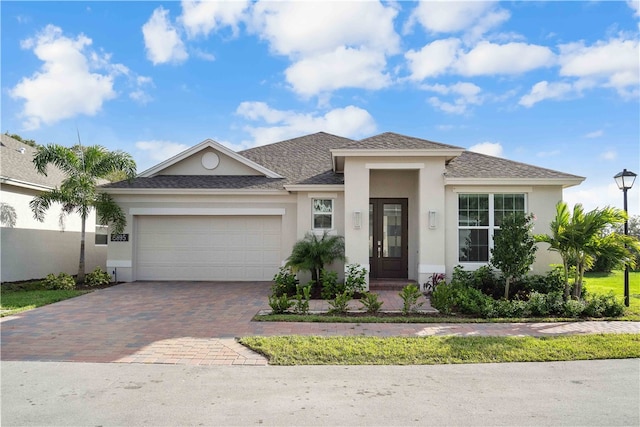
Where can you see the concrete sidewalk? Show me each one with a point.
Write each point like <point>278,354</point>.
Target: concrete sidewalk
<point>195,323</point>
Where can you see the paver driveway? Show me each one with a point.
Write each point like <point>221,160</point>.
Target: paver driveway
<point>196,322</point>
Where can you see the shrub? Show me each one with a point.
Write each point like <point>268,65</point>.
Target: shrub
<point>443,298</point>
<point>284,282</point>
<point>371,303</point>
<point>410,295</point>
<point>62,281</point>
<point>483,279</point>
<point>97,277</point>
<point>303,295</point>
<point>280,303</point>
<point>537,304</point>
<point>340,305</point>
<point>434,281</point>
<point>330,286</point>
<point>573,308</point>
<point>603,306</point>
<point>555,302</point>
<point>355,278</point>
<point>460,298</point>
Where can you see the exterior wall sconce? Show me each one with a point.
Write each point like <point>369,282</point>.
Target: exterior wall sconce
<point>432,220</point>
<point>357,219</point>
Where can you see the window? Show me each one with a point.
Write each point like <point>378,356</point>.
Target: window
<point>322,214</point>
<point>101,235</point>
<point>479,219</point>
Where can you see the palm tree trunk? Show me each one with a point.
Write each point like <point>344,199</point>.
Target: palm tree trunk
<point>567,288</point>
<point>80,278</point>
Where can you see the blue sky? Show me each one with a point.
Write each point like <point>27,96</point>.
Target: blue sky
<point>555,84</point>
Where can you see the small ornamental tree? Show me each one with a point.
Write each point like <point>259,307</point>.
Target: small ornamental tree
<point>514,248</point>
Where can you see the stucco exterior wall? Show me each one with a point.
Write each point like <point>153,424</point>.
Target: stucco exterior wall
<point>32,249</point>
<point>540,200</point>
<point>121,254</point>
<point>192,165</point>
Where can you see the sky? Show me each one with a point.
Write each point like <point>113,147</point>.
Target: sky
<point>553,84</point>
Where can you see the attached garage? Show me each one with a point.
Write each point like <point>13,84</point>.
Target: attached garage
<point>213,247</point>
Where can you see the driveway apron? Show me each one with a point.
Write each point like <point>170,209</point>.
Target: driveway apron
<point>195,323</point>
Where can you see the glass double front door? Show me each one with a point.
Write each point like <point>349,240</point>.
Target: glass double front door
<point>388,234</point>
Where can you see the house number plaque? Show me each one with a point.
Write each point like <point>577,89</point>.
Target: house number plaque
<point>119,237</point>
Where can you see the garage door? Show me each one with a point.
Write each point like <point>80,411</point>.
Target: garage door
<point>207,247</point>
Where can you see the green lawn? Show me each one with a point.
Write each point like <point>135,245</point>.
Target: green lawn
<point>603,283</point>
<point>310,350</point>
<point>15,298</point>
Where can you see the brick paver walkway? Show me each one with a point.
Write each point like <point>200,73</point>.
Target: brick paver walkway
<point>195,323</point>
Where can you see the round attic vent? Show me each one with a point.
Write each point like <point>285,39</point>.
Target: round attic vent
<point>210,160</point>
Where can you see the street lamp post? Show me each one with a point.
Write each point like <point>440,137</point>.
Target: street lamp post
<point>625,180</point>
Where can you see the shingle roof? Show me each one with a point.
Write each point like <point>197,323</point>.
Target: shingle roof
<point>19,166</point>
<point>476,165</point>
<point>307,160</point>
<point>396,141</point>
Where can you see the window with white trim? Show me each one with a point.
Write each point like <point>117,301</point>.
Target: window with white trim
<point>322,214</point>
<point>479,219</point>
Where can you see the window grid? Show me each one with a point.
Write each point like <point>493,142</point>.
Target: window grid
<point>322,214</point>
<point>475,239</point>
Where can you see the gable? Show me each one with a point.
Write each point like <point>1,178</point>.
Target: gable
<point>210,162</point>
<point>209,158</point>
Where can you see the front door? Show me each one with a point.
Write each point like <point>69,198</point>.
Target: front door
<point>388,235</point>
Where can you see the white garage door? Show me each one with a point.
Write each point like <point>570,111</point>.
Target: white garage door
<point>207,247</point>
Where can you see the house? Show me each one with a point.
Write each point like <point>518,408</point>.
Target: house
<point>31,249</point>
<point>407,207</point>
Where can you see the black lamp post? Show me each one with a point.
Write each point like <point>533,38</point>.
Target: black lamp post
<point>625,180</point>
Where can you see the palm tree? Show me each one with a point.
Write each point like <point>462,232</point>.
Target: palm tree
<point>576,236</point>
<point>84,167</point>
<point>313,253</point>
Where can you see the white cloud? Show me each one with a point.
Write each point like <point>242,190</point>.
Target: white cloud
<point>351,122</point>
<point>612,63</point>
<point>160,151</point>
<point>332,45</point>
<point>66,85</point>
<point>433,59</point>
<point>341,68</point>
<point>511,58</point>
<point>161,39</point>
<point>203,17</point>
<point>465,94</point>
<point>609,155</point>
<point>635,5</point>
<point>476,17</point>
<point>139,94</point>
<point>486,58</point>
<point>301,28</point>
<point>600,194</point>
<point>488,148</point>
<point>545,90</point>
<point>595,134</point>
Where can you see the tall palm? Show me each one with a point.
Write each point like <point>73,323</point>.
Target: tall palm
<point>84,167</point>
<point>312,253</point>
<point>576,236</point>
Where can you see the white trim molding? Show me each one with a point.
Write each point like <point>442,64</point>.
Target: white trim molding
<point>394,165</point>
<point>431,268</point>
<point>486,189</point>
<point>208,211</point>
<point>321,187</point>
<point>322,195</point>
<point>565,182</point>
<point>119,263</point>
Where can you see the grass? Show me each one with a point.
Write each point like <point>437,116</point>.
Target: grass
<point>603,283</point>
<point>311,350</point>
<point>19,297</point>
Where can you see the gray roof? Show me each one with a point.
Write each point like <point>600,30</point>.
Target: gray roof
<point>396,141</point>
<point>307,161</point>
<point>19,166</point>
<point>476,165</point>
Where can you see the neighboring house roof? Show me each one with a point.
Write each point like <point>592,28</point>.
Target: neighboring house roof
<point>17,168</point>
<point>307,160</point>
